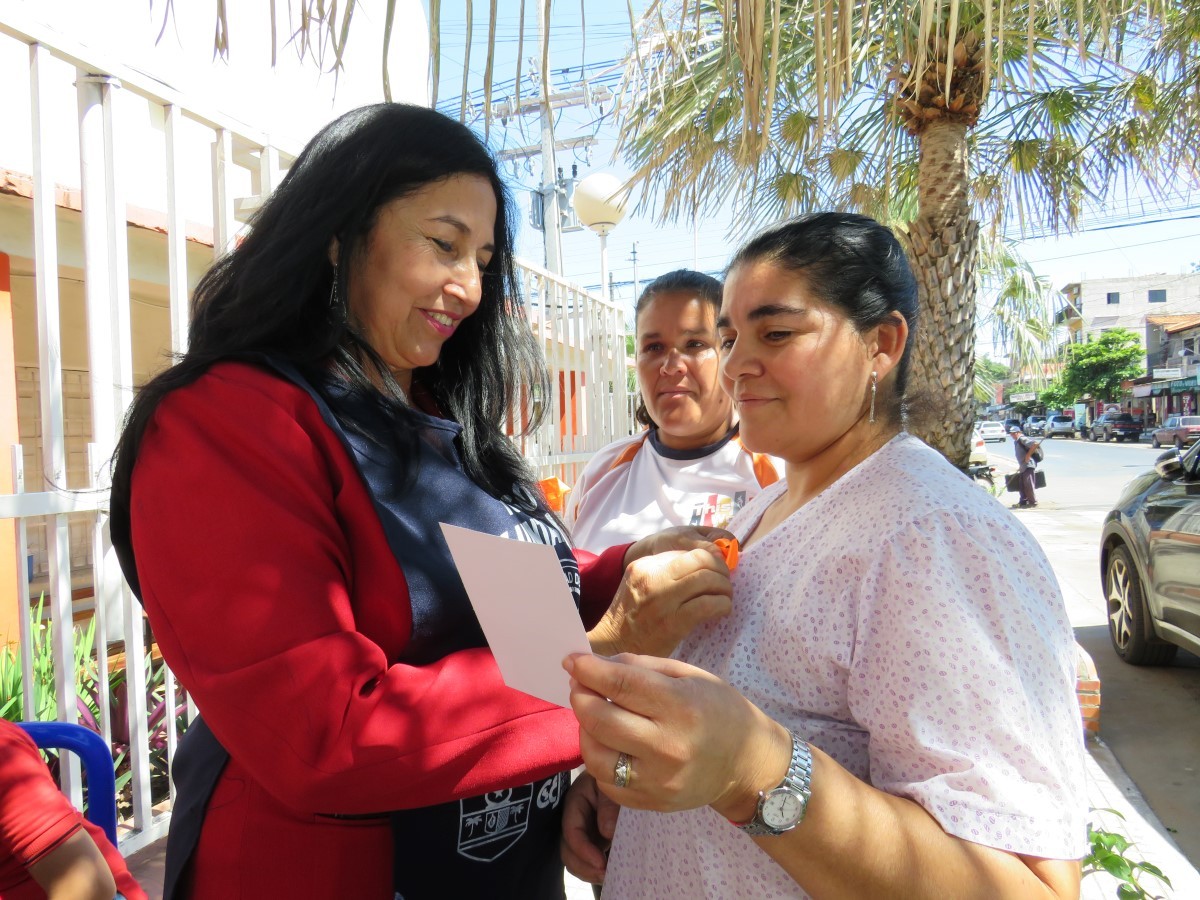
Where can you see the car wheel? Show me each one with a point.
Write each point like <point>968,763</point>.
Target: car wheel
<point>1154,443</point>
<point>1127,614</point>
<point>1093,437</point>
<point>1119,438</point>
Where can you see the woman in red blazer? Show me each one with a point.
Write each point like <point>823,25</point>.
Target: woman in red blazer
<point>276,501</point>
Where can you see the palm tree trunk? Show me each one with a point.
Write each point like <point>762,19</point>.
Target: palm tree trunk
<point>943,246</point>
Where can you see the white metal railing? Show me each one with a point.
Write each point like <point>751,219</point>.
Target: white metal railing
<point>240,155</point>
<point>583,336</point>
<point>584,339</point>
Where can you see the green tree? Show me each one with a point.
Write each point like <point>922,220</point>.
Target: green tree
<point>1055,395</point>
<point>988,373</point>
<point>1099,367</point>
<point>943,119</point>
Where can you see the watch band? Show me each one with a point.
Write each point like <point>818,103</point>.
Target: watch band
<point>797,781</point>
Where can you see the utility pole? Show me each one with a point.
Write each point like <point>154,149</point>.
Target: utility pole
<point>636,289</point>
<point>550,210</point>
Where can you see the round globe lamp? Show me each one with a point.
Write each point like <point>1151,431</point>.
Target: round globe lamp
<point>600,201</point>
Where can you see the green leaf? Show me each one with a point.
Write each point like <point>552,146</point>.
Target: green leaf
<point>1117,866</point>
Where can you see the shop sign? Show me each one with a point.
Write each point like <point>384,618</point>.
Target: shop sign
<point>1167,374</point>
<point>1183,385</point>
<point>1023,398</point>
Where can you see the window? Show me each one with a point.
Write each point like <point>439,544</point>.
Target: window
<point>1158,295</point>
<point>1114,297</point>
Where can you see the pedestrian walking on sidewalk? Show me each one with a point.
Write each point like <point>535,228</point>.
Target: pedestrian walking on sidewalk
<point>1029,454</point>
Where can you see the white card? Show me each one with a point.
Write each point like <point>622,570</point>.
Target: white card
<point>524,606</point>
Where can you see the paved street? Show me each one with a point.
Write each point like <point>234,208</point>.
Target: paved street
<point>1150,718</point>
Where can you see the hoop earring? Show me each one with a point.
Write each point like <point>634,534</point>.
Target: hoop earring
<point>874,384</point>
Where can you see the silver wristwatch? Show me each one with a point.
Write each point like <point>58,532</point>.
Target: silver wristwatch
<point>781,809</point>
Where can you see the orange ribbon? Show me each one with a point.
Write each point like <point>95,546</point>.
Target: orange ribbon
<point>729,549</point>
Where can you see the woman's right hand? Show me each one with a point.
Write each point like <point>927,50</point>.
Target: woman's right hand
<point>661,599</point>
<point>589,822</point>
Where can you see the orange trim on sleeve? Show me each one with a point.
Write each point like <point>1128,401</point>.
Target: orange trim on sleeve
<point>764,469</point>
<point>628,453</point>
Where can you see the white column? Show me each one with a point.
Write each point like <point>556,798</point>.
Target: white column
<point>106,288</point>
<point>54,450</point>
<point>176,232</point>
<point>224,224</point>
<point>604,265</point>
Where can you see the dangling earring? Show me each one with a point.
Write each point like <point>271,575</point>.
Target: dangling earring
<point>874,384</point>
<point>333,291</point>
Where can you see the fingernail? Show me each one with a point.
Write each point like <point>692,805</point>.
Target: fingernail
<point>568,663</point>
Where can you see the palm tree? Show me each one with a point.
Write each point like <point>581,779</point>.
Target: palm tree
<point>944,118</point>
<point>951,120</point>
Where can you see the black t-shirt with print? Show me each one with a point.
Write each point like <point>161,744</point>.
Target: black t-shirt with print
<point>503,844</point>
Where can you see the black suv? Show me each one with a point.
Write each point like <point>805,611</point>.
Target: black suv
<point>1116,425</point>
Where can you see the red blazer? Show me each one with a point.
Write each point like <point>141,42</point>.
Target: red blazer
<point>275,599</point>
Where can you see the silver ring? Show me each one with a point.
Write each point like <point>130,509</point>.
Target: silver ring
<point>622,770</point>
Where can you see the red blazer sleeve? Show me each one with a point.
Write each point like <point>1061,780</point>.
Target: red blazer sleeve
<point>599,578</point>
<point>274,597</point>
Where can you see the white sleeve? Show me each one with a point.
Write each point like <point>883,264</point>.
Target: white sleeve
<point>964,676</point>
<point>597,466</point>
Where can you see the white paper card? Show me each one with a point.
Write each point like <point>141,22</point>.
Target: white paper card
<point>524,606</point>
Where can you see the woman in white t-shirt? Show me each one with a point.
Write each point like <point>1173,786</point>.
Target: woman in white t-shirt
<point>689,467</point>
<point>889,709</point>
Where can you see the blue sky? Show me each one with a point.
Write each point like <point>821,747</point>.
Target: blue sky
<point>1164,241</point>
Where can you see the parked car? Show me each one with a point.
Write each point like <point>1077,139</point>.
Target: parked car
<point>1150,562</point>
<point>978,449</point>
<point>1009,423</point>
<point>1060,425</point>
<point>1035,425</point>
<point>1121,426</point>
<point>1177,430</point>
<point>992,431</point>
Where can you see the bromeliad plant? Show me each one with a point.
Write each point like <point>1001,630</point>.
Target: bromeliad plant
<point>45,703</point>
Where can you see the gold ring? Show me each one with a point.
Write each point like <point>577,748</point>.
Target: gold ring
<point>622,771</point>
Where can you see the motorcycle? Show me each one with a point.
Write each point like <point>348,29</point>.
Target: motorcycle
<point>984,474</point>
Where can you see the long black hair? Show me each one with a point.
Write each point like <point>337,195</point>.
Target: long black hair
<point>703,287</point>
<point>272,294</point>
<point>851,262</point>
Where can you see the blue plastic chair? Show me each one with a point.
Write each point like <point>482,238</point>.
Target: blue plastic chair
<point>97,760</point>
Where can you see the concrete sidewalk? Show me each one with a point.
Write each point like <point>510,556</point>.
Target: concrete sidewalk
<point>1070,537</point>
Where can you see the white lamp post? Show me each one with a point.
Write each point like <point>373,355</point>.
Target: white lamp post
<point>600,201</point>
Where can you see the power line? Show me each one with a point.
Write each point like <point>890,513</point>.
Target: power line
<point>1180,237</point>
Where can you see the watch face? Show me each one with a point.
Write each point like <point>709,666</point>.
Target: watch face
<point>782,809</point>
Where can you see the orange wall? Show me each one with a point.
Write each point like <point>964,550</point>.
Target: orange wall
<point>8,436</point>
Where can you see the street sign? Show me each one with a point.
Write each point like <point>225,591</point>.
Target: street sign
<point>1164,374</point>
<point>1023,398</point>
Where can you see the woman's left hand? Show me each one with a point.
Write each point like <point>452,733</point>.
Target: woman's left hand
<point>692,739</point>
<point>678,537</point>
